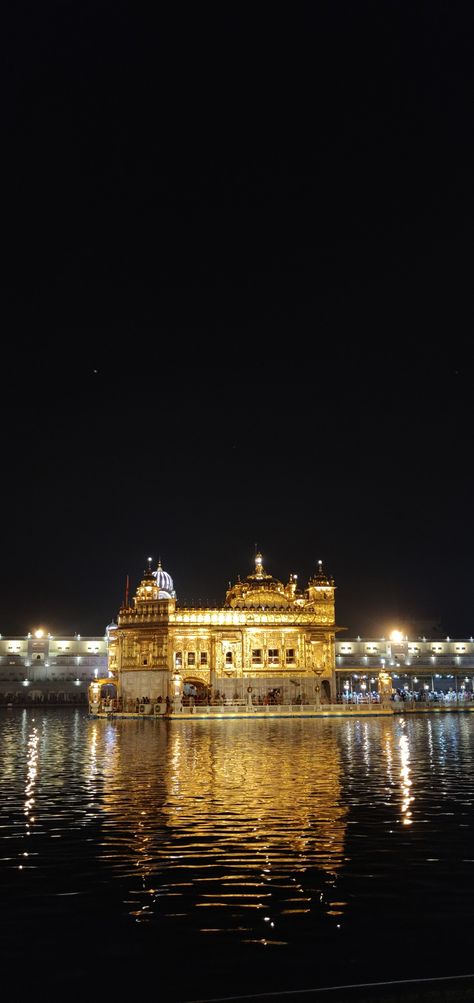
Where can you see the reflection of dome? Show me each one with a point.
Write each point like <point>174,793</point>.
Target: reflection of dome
<point>164,583</point>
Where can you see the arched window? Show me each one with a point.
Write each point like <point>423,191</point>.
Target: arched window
<point>228,658</point>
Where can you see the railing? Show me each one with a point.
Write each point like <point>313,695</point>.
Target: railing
<point>234,707</point>
<point>241,706</point>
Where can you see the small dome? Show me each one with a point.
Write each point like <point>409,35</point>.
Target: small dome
<point>164,582</point>
<point>110,627</point>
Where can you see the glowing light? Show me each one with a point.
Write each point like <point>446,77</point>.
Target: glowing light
<point>396,635</point>
<point>39,633</point>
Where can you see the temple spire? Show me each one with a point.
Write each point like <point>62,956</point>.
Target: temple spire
<point>259,571</point>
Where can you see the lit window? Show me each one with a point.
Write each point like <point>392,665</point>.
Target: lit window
<point>290,655</point>
<point>203,657</point>
<point>178,659</point>
<point>191,658</point>
<point>273,658</point>
<point>256,655</point>
<point>228,658</point>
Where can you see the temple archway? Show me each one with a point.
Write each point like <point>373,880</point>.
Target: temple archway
<point>325,691</point>
<point>195,692</point>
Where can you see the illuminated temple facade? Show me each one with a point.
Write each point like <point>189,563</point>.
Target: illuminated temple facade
<point>268,638</point>
<point>268,642</point>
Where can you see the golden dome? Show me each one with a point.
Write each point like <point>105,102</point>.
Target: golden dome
<point>258,591</point>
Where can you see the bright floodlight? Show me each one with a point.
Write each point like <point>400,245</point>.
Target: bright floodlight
<point>39,633</point>
<point>396,635</point>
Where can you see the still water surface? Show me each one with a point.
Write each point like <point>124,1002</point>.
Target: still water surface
<point>208,859</point>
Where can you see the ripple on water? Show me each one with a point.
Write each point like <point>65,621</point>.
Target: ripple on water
<point>315,838</point>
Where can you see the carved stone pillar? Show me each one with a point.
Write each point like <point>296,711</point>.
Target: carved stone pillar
<point>177,686</point>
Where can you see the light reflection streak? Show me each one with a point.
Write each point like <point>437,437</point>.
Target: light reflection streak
<point>32,756</point>
<point>430,743</point>
<point>366,745</point>
<point>406,783</point>
<point>389,756</point>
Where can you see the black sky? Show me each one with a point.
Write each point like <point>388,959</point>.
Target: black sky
<point>237,300</point>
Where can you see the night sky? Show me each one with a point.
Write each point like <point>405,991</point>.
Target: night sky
<point>237,306</point>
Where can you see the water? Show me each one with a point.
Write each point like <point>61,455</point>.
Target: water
<point>200,859</point>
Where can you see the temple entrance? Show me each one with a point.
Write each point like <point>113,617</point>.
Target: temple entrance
<point>195,693</point>
<point>103,695</point>
<point>325,691</point>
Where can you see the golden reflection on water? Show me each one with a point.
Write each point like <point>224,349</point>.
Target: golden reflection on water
<point>406,784</point>
<point>388,750</point>
<point>92,752</point>
<point>32,757</point>
<point>220,822</point>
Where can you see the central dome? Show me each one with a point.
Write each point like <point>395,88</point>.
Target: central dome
<point>258,591</point>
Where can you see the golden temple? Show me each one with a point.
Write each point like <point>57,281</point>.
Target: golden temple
<point>270,642</point>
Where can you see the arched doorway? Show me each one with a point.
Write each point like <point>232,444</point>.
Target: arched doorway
<point>195,692</point>
<point>103,695</point>
<point>325,691</point>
